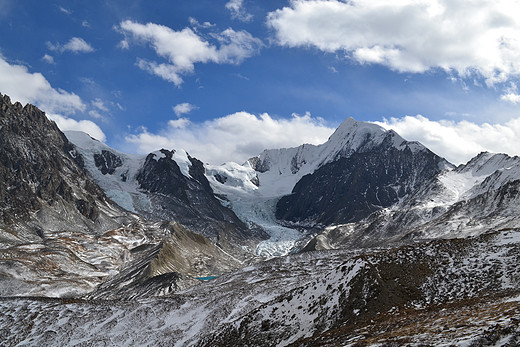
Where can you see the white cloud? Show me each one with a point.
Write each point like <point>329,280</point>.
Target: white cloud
<point>167,72</point>
<point>65,10</point>
<point>180,123</point>
<point>74,45</point>
<point>467,37</point>
<point>123,44</point>
<point>48,59</point>
<point>236,7</point>
<point>235,137</point>
<point>196,25</point>
<point>183,108</point>
<point>183,49</point>
<point>26,87</point>
<point>95,114</point>
<point>99,104</point>
<point>236,46</point>
<point>87,126</point>
<point>458,141</point>
<point>511,94</point>
<point>511,97</point>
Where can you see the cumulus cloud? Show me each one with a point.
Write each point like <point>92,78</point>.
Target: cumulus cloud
<point>235,137</point>
<point>185,48</point>
<point>458,141</point>
<point>26,87</point>
<point>511,94</point>
<point>511,97</point>
<point>180,123</point>
<point>236,7</point>
<point>465,37</point>
<point>87,126</point>
<point>183,108</point>
<point>74,45</point>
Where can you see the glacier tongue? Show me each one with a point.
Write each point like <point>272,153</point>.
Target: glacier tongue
<point>254,205</point>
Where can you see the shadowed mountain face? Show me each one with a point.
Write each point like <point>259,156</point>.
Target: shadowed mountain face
<point>188,199</point>
<point>364,179</point>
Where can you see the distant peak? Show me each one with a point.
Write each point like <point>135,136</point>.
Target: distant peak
<point>350,127</point>
<point>352,136</point>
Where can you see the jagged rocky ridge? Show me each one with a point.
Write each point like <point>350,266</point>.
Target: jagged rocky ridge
<point>42,184</point>
<point>471,199</point>
<point>363,168</point>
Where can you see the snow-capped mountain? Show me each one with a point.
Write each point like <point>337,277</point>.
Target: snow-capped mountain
<point>274,172</point>
<point>165,185</point>
<point>468,200</point>
<point>367,169</point>
<point>360,169</point>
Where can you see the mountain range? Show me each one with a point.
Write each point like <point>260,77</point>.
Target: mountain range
<point>365,239</point>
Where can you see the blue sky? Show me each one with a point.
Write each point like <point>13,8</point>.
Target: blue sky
<point>226,79</point>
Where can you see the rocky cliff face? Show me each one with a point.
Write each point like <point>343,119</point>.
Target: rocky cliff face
<point>189,200</point>
<point>42,182</point>
<point>370,171</point>
<point>480,195</point>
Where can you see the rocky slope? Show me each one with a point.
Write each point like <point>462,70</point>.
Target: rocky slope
<point>473,198</point>
<point>458,291</point>
<point>371,169</point>
<point>42,184</point>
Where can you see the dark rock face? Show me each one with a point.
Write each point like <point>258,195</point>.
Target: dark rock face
<point>107,162</point>
<point>190,201</point>
<point>259,165</point>
<point>220,178</point>
<point>163,176</point>
<point>351,188</point>
<point>38,166</point>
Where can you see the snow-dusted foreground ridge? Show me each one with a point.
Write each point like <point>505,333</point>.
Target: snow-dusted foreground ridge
<point>346,297</point>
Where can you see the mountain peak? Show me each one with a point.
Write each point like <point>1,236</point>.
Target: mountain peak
<point>350,126</point>
<point>358,136</point>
